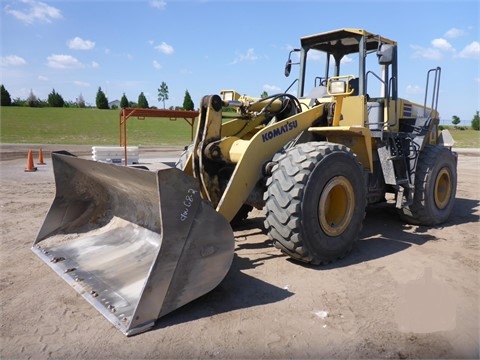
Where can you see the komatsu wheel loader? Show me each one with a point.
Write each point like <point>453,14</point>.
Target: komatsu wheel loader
<point>138,243</point>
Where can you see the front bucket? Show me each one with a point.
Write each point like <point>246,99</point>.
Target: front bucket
<point>137,244</point>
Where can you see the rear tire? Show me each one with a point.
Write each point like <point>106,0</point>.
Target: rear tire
<point>315,202</point>
<point>435,187</point>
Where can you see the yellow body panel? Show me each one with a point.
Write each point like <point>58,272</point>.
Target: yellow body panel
<point>354,111</point>
<point>357,138</point>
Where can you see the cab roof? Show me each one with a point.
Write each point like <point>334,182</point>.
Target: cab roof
<point>343,40</point>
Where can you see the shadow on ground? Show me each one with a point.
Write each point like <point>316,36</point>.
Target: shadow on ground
<point>237,291</point>
<point>383,234</point>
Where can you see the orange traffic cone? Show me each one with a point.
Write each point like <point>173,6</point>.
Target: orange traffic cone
<point>40,158</point>
<point>30,166</point>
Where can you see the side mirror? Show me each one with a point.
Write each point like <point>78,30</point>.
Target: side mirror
<point>385,54</point>
<point>288,67</point>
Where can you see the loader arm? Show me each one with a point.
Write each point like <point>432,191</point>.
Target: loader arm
<point>208,131</point>
<point>258,151</point>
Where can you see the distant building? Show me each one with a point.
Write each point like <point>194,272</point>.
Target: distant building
<point>114,103</point>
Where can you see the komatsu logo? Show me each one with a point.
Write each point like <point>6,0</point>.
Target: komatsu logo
<point>279,131</point>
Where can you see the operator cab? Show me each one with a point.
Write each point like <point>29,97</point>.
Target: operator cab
<point>356,63</point>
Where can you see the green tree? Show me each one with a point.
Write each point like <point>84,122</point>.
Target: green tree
<point>187,101</point>
<point>142,101</point>
<point>80,101</point>
<point>6,100</point>
<point>124,101</point>
<point>163,93</point>
<point>19,102</point>
<point>455,120</point>
<point>55,99</point>
<point>101,100</point>
<point>476,122</point>
<point>264,94</point>
<point>32,100</point>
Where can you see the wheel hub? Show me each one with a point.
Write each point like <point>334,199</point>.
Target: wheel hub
<point>443,188</point>
<point>336,205</point>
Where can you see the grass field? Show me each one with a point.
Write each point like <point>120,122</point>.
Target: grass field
<point>465,138</point>
<point>87,127</point>
<point>101,127</point>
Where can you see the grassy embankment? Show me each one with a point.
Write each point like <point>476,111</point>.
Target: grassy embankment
<point>87,127</point>
<point>101,127</point>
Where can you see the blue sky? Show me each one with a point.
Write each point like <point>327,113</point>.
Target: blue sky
<point>129,47</point>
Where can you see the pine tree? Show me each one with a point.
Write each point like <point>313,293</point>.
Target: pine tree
<point>55,99</point>
<point>124,101</point>
<point>142,101</point>
<point>101,100</point>
<point>6,100</point>
<point>187,101</point>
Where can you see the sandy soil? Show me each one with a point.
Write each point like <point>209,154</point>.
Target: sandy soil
<point>404,292</point>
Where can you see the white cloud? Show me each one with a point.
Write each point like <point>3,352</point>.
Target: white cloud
<point>34,11</point>
<point>442,45</point>
<point>12,60</point>
<point>346,59</point>
<point>78,43</point>
<point>42,78</point>
<point>156,64</point>
<point>63,62</point>
<point>454,33</point>
<point>271,88</point>
<point>426,53</point>
<point>471,51</point>
<point>158,4</point>
<point>95,65</point>
<point>165,48</point>
<point>248,56</point>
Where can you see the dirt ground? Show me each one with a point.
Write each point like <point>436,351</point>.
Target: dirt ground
<point>404,292</point>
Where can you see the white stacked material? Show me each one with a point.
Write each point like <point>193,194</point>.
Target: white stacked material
<point>115,154</point>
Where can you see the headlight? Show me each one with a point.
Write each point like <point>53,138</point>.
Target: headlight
<point>227,95</point>
<point>337,87</point>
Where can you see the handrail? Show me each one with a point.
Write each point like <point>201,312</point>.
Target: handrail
<point>435,91</point>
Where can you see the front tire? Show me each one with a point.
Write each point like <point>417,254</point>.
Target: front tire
<point>315,202</point>
<point>435,187</point>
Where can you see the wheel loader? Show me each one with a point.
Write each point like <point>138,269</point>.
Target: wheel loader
<point>139,243</point>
